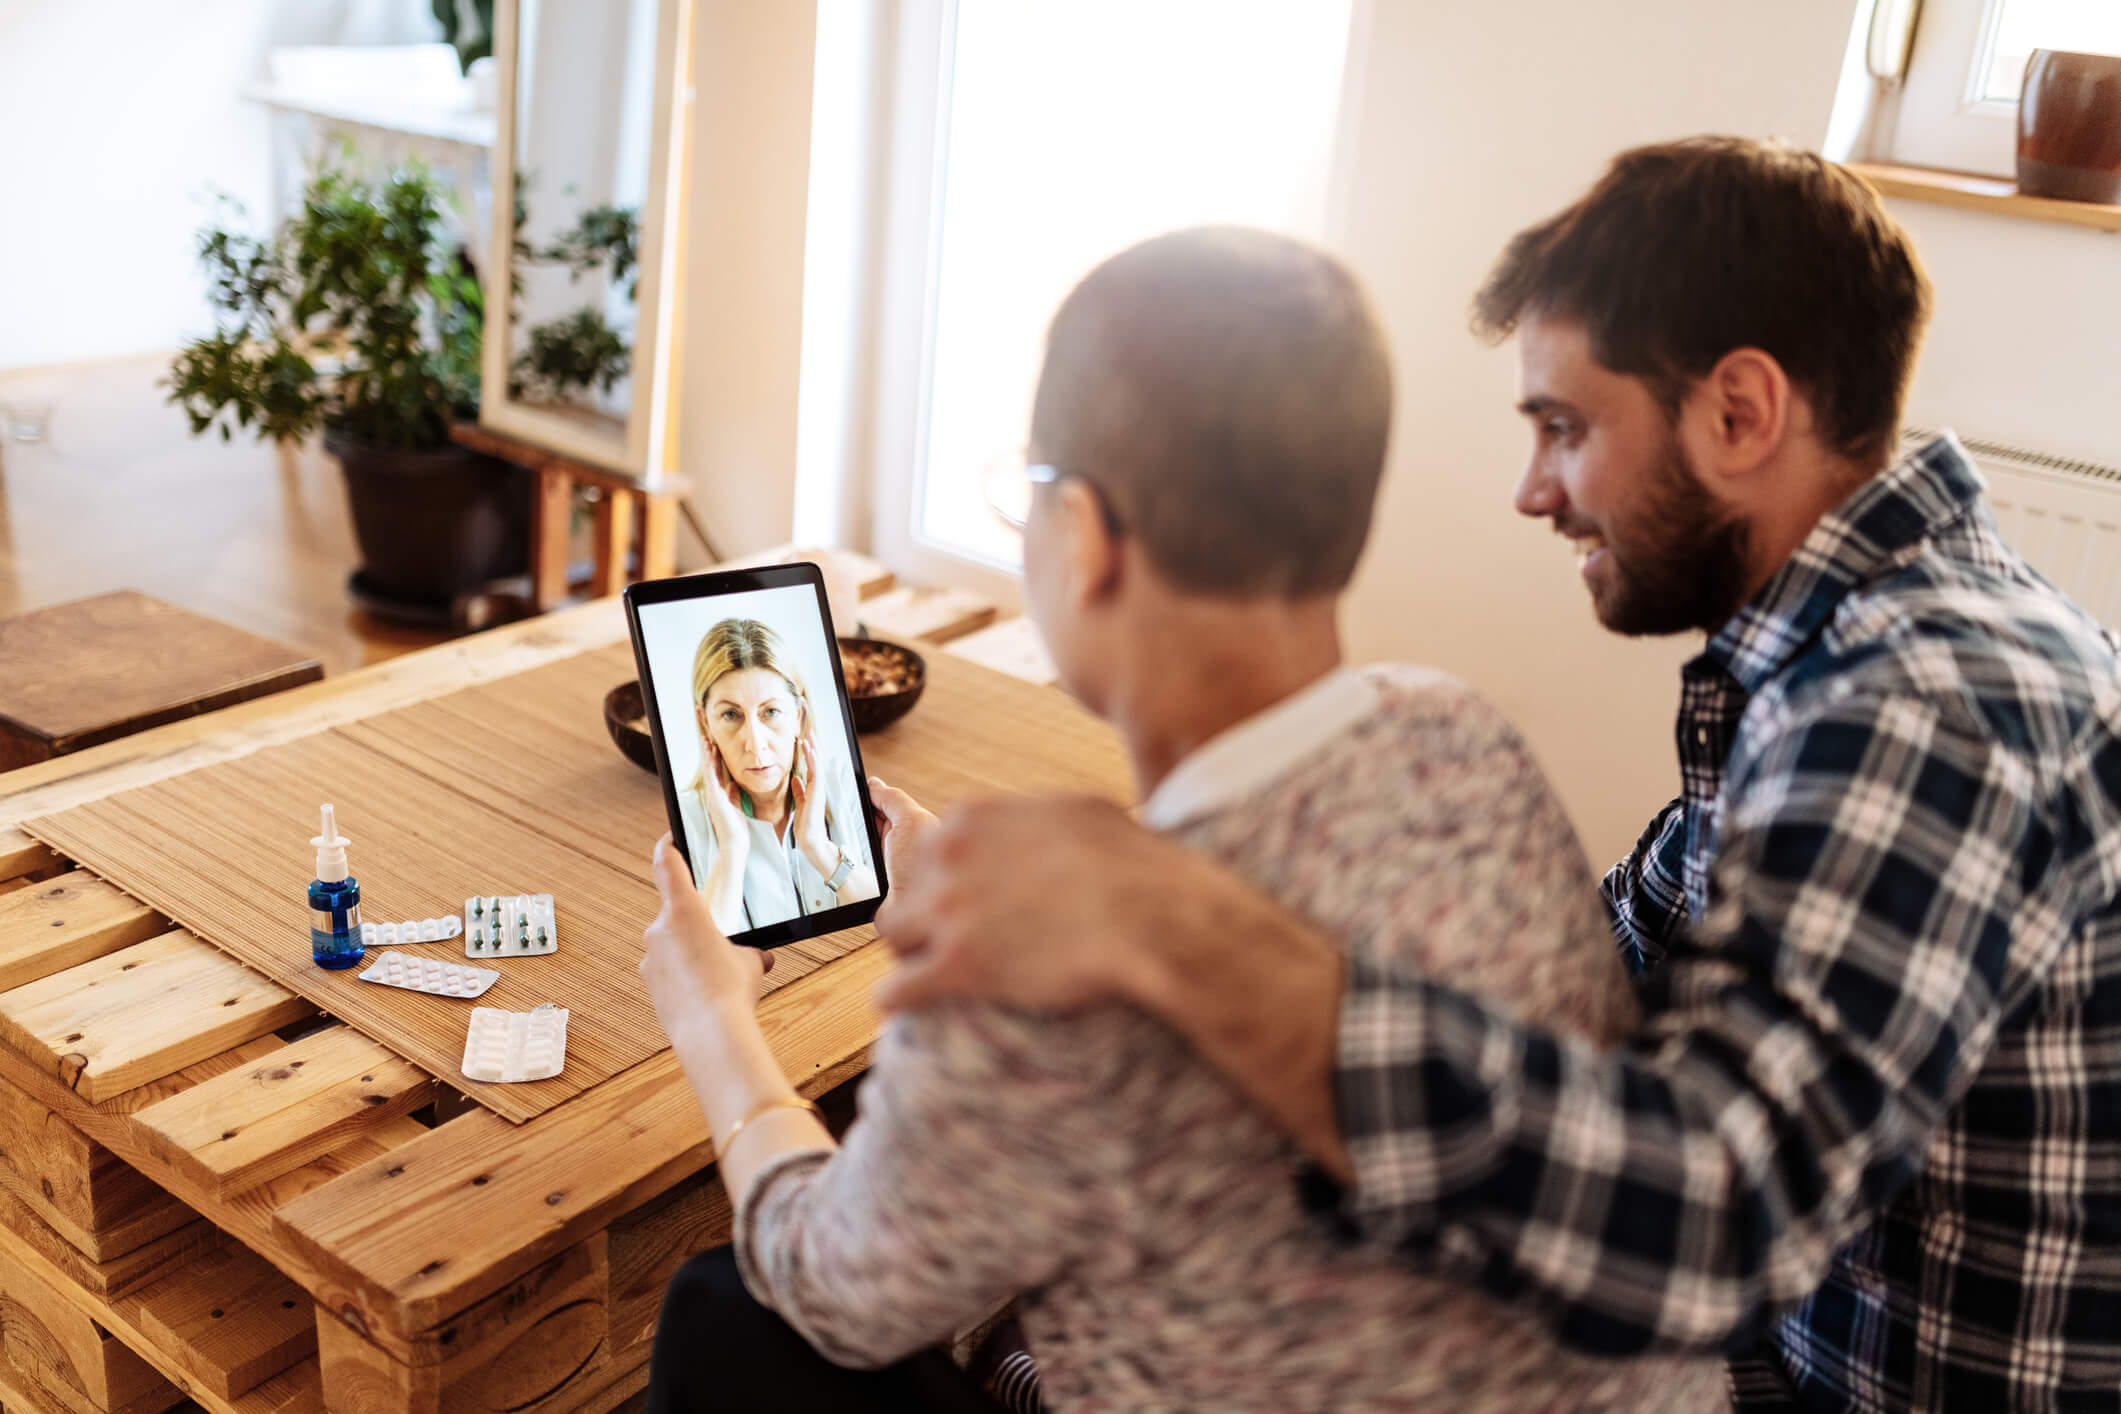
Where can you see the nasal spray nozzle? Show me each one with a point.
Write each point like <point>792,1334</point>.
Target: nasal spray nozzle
<point>334,902</point>
<point>331,850</point>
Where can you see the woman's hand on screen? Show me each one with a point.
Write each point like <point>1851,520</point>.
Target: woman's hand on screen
<point>905,824</point>
<point>724,815</point>
<point>809,803</point>
<point>693,971</point>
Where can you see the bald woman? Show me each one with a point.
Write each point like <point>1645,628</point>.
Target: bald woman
<point>1208,437</point>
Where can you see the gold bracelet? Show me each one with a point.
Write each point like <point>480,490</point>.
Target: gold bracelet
<point>791,1102</point>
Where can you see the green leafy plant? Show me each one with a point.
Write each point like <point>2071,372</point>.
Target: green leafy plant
<point>364,276</point>
<point>582,350</point>
<point>602,235</point>
<point>578,351</point>
<point>468,26</point>
<point>362,315</point>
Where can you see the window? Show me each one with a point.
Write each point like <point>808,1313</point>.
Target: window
<point>1062,131</point>
<point>1958,108</point>
<point>2021,26</point>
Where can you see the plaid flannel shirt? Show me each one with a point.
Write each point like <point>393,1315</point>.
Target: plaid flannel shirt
<point>1868,1138</point>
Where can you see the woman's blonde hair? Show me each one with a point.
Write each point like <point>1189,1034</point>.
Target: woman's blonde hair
<point>732,646</point>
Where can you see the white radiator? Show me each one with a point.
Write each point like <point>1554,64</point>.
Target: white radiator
<point>2064,516</point>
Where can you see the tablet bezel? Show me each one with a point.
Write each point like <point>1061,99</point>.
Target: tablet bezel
<point>714,584</point>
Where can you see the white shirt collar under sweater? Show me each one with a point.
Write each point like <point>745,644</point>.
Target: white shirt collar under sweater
<point>1250,756</point>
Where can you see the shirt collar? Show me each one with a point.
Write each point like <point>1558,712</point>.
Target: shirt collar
<point>1873,531</point>
<point>1246,758</point>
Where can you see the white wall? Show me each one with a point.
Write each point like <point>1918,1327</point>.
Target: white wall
<point>740,298</point>
<point>1471,122</point>
<point>114,118</point>
<point>2025,344</point>
<point>2022,346</point>
<point>1461,133</point>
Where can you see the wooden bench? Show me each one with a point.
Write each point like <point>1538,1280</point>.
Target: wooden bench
<point>634,521</point>
<point>76,675</point>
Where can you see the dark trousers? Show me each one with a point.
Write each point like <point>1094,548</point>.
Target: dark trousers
<point>717,1349</point>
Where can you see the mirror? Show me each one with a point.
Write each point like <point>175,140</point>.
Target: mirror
<point>579,356</point>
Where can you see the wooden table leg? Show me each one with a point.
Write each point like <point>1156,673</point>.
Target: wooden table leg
<point>552,514</point>
<point>659,535</point>
<point>614,532</point>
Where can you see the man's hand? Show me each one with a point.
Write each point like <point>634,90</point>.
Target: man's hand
<point>1057,904</point>
<point>1022,902</point>
<point>693,971</point>
<point>1049,904</point>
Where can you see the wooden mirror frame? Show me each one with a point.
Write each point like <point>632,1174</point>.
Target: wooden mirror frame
<point>646,451</point>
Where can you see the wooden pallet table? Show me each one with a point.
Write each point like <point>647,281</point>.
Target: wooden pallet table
<point>210,1193</point>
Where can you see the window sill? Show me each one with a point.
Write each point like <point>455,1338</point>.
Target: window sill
<point>1991,194</point>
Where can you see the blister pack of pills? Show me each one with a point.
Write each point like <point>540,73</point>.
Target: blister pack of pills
<point>512,1046</point>
<point>429,974</point>
<point>510,925</point>
<point>426,930</point>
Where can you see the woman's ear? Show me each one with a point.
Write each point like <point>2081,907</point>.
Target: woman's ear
<point>1090,550</point>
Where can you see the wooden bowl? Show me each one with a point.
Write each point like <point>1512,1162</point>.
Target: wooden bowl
<point>876,708</point>
<point>626,718</point>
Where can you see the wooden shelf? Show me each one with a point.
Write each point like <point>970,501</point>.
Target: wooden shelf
<point>1992,194</point>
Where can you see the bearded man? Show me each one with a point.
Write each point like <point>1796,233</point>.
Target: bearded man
<point>1866,1140</point>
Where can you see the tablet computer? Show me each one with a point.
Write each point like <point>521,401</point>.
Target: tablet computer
<point>754,742</point>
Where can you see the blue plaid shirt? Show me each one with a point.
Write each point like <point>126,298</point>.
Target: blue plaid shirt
<point>1868,1138</point>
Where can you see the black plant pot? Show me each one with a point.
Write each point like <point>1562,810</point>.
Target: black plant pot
<point>433,525</point>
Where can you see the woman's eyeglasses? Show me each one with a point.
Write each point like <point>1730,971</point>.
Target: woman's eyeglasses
<point>1009,478</point>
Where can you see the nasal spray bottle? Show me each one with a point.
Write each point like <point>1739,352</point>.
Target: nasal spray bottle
<point>334,902</point>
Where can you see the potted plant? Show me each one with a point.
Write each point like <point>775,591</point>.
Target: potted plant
<point>361,317</point>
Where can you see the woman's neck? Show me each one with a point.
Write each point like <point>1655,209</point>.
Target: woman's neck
<point>772,810</point>
<point>1208,665</point>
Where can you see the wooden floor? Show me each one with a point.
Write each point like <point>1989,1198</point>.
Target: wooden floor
<point>122,496</point>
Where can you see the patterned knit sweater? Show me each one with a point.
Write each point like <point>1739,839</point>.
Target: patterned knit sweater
<point>1143,1212</point>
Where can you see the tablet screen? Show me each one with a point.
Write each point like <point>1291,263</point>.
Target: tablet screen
<point>762,775</point>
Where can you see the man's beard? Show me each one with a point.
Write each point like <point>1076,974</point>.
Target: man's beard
<point>1682,564</point>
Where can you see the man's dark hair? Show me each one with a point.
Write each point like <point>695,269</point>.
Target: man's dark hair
<point>1228,392</point>
<point>1687,250</point>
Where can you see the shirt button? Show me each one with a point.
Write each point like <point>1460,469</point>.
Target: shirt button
<point>1701,736</point>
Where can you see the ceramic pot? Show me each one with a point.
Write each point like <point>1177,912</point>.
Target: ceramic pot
<point>2069,127</point>
<point>432,525</point>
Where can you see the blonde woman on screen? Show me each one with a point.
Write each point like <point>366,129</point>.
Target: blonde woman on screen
<point>773,835</point>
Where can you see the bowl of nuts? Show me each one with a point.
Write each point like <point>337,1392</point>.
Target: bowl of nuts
<point>626,718</point>
<point>884,680</point>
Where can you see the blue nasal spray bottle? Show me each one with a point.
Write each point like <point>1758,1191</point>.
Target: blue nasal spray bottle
<point>334,902</point>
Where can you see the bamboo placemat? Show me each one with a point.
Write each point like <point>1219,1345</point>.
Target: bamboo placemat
<point>513,786</point>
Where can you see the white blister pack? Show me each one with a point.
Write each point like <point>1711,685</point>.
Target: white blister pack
<point>511,1046</point>
<point>510,925</point>
<point>426,930</point>
<point>429,974</point>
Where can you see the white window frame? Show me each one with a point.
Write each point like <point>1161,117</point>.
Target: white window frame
<point>909,286</point>
<point>1938,117</point>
